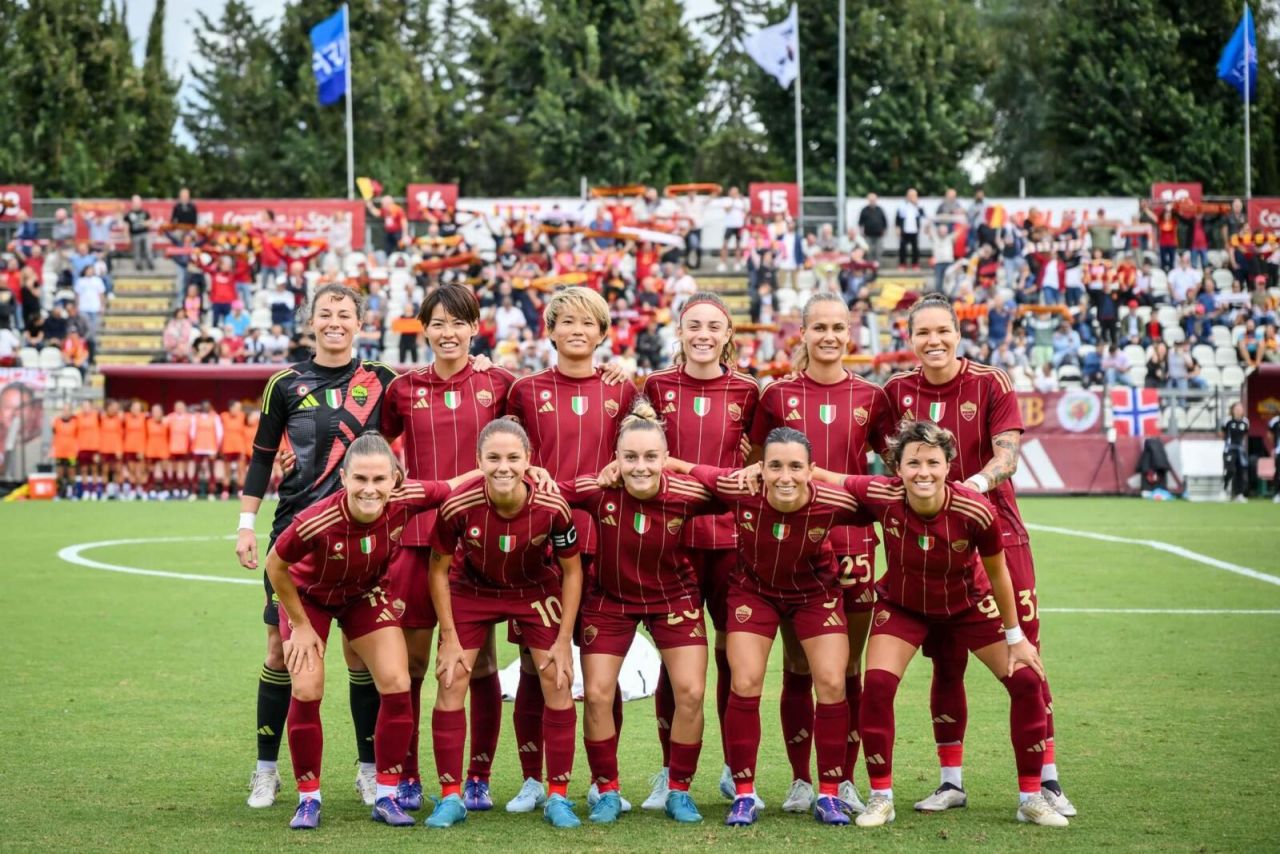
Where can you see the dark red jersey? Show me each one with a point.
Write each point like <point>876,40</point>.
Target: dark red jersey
<point>334,558</point>
<point>787,556</point>
<point>843,421</point>
<point>935,564</point>
<point>441,420</point>
<point>641,565</point>
<point>705,421</point>
<point>502,557</point>
<point>573,425</point>
<point>977,404</point>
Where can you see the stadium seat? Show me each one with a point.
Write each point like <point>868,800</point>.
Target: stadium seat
<point>215,333</point>
<point>261,299</point>
<point>1232,377</point>
<point>1069,375</point>
<point>1203,354</point>
<point>1210,372</point>
<point>1135,354</point>
<point>260,318</point>
<point>1144,313</point>
<point>28,357</point>
<point>1159,283</point>
<point>69,378</point>
<point>1166,316</point>
<point>1222,280</point>
<point>1086,350</point>
<point>1174,335</point>
<point>51,358</point>
<point>1138,374</point>
<point>1221,336</point>
<point>1223,356</point>
<point>1237,332</point>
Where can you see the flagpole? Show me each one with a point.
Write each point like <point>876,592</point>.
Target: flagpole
<point>1248,166</point>
<point>351,154</point>
<point>799,135</point>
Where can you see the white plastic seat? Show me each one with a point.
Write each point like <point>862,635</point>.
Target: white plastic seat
<point>1211,374</point>
<point>1144,313</point>
<point>1222,280</point>
<point>1135,354</point>
<point>1203,354</point>
<point>1069,374</point>
<point>1174,335</point>
<point>260,318</point>
<point>1138,375</point>
<point>29,357</point>
<point>1167,316</point>
<point>1220,335</point>
<point>1232,376</point>
<point>1224,356</point>
<point>51,359</point>
<point>1159,283</point>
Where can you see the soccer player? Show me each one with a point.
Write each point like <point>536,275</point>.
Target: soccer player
<point>572,414</point>
<point>66,450</point>
<point>327,565</point>
<point>939,539</point>
<point>206,439</point>
<point>180,466</point>
<point>111,447</point>
<point>707,409</point>
<point>88,438</point>
<point>235,448</point>
<point>320,407</point>
<point>503,527</point>
<point>786,571</point>
<point>157,452</point>
<point>135,450</point>
<point>1235,453</point>
<point>438,410</point>
<point>977,404</point>
<point>843,416</point>
<point>642,574</point>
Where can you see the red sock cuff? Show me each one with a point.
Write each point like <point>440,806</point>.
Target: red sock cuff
<point>951,755</point>
<point>881,783</point>
<point>1029,785</point>
<point>1048,751</point>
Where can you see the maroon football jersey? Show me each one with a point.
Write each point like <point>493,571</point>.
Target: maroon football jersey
<point>785,555</point>
<point>977,404</point>
<point>705,421</point>
<point>502,557</point>
<point>333,558</point>
<point>641,565</point>
<point>441,420</point>
<point>573,425</point>
<point>934,564</point>
<point>843,421</point>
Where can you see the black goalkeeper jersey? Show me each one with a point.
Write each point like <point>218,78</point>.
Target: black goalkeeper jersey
<point>320,411</point>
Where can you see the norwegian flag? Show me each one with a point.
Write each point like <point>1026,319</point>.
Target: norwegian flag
<point>1136,411</point>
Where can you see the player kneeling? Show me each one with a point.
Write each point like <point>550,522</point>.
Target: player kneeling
<point>939,537</point>
<point>503,526</point>
<point>326,566</point>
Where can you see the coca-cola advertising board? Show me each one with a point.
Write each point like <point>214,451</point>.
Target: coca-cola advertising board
<point>1264,214</point>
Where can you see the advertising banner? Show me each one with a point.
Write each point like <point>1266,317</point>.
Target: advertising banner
<point>338,221</point>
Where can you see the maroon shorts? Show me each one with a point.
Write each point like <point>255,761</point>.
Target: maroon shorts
<point>713,569</point>
<point>970,630</point>
<point>753,612</point>
<point>534,622</point>
<point>857,577</point>
<point>357,617</point>
<point>86,457</point>
<point>606,633</point>
<point>513,630</point>
<point>111,458</point>
<point>407,582</point>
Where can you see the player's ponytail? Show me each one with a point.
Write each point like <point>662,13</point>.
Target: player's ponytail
<point>729,353</point>
<point>642,417</point>
<point>921,432</point>
<point>503,425</point>
<point>372,444</point>
<point>801,359</point>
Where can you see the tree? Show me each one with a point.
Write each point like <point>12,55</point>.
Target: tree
<point>153,160</point>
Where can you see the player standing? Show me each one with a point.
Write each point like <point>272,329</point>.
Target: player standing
<point>786,571</point>
<point>206,439</point>
<point>844,417</point>
<point>157,452</point>
<point>66,450</point>
<point>707,409</point>
<point>235,448</point>
<point>572,415</point>
<point>88,437</point>
<point>328,565</point>
<point>111,447</point>
<point>503,527</point>
<point>439,410</point>
<point>977,404</point>
<point>320,407</point>
<point>179,464</point>
<point>135,450</point>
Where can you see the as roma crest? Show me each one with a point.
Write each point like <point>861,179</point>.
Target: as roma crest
<point>589,634</point>
<point>484,397</point>
<point>674,525</point>
<point>735,412</point>
<point>816,534</point>
<point>743,613</point>
<point>860,416</point>
<point>960,545</point>
<point>968,410</point>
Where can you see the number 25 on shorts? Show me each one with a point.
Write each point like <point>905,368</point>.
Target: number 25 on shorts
<point>849,566</point>
<point>549,610</point>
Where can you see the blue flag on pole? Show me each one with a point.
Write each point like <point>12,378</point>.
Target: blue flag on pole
<point>1240,57</point>
<point>329,55</point>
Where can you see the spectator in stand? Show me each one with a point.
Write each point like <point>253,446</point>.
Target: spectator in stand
<point>255,346</point>
<point>409,328</point>
<point>977,217</point>
<point>91,292</point>
<point>949,214</point>
<point>1233,223</point>
<point>184,210</point>
<point>680,287</point>
<point>1066,345</point>
<point>393,223</point>
<point>510,319</point>
<point>204,349</point>
<point>1249,345</point>
<point>222,286</point>
<point>231,347</point>
<point>271,258</point>
<point>276,344</point>
<point>239,319</point>
<point>80,259</point>
<point>999,318</point>
<point>33,331</point>
<point>1183,280</point>
<point>735,209</point>
<point>1199,242</point>
<point>102,225</point>
<point>193,305</point>
<point>62,235</point>
<point>909,220</point>
<point>1167,237</point>
<point>1115,367</point>
<point>369,339</point>
<point>139,221</point>
<point>1046,381</point>
<point>55,326</point>
<point>1108,313</point>
<point>764,304</point>
<point>1269,348</point>
<point>1157,366</point>
<point>9,344</point>
<point>10,311</point>
<point>873,223</point>
<point>649,348</point>
<point>284,306</point>
<point>25,234</point>
<point>75,351</point>
<point>944,254</point>
<point>1102,232</point>
<point>177,337</point>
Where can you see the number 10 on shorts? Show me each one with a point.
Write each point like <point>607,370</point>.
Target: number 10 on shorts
<point>549,610</point>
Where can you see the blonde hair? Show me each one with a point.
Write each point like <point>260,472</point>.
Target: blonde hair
<point>583,299</point>
<point>921,432</point>
<point>642,417</point>
<point>801,360</point>
<point>729,354</point>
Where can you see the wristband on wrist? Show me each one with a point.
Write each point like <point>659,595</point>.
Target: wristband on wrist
<point>247,521</point>
<point>980,482</point>
<point>1014,635</point>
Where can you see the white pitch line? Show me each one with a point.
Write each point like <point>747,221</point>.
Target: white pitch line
<point>1163,547</point>
<point>73,554</point>
<point>1180,612</point>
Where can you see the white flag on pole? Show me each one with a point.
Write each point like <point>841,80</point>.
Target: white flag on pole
<point>776,49</point>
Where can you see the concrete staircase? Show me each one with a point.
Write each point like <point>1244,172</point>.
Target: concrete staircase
<point>133,324</point>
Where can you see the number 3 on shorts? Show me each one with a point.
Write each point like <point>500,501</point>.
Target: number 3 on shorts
<point>848,567</point>
<point>1028,598</point>
<point>549,610</point>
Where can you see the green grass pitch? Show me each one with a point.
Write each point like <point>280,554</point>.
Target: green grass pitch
<point>127,708</point>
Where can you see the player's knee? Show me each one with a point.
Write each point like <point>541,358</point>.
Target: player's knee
<point>1023,683</point>
<point>828,685</point>
<point>599,694</point>
<point>451,697</point>
<point>747,684</point>
<point>307,690</point>
<point>396,683</point>
<point>689,694</point>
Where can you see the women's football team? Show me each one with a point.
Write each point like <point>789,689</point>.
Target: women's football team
<point>574,510</point>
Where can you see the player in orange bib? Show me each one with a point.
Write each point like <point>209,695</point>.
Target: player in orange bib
<point>111,447</point>
<point>206,438</point>
<point>180,469</point>
<point>66,450</point>
<point>135,449</point>
<point>157,450</point>
<point>88,435</point>
<point>234,448</point>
